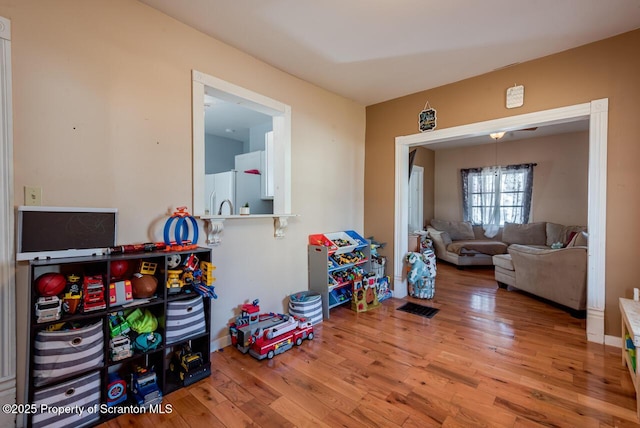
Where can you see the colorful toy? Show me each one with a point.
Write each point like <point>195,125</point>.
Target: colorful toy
<point>120,348</point>
<point>267,335</point>
<point>174,282</point>
<point>120,293</point>
<point>147,342</point>
<point>48,308</point>
<point>51,284</point>
<point>181,229</point>
<point>365,294</point>
<point>189,366</point>
<point>73,297</point>
<point>118,325</point>
<point>144,387</point>
<point>93,294</point>
<point>422,272</point>
<point>116,390</point>
<point>281,338</point>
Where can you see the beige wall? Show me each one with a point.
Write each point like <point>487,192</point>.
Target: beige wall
<point>606,69</point>
<point>102,118</point>
<point>559,179</point>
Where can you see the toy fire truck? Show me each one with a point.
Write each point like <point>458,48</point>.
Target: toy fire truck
<point>93,294</point>
<point>267,335</point>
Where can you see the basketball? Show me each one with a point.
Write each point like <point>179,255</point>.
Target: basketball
<point>119,268</point>
<point>51,284</point>
<point>143,286</point>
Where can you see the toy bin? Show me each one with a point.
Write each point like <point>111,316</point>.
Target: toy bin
<point>342,242</point>
<point>185,318</point>
<point>60,354</point>
<point>322,241</point>
<point>307,304</point>
<point>83,392</point>
<point>360,241</point>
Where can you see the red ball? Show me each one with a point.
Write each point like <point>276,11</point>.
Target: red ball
<point>119,268</point>
<point>51,284</point>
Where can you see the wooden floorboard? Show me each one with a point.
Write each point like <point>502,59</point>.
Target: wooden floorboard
<point>490,357</point>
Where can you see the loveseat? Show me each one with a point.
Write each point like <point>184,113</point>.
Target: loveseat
<point>546,259</point>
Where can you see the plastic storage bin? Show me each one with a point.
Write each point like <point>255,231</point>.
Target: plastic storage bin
<point>306,304</point>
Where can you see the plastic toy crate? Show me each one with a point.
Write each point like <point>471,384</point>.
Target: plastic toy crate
<point>360,241</point>
<point>342,242</point>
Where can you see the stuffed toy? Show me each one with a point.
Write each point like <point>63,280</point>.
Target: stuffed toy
<point>422,274</point>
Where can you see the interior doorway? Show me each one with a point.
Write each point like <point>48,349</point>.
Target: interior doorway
<point>416,198</point>
<point>596,112</point>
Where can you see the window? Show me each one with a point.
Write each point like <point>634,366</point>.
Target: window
<point>494,195</point>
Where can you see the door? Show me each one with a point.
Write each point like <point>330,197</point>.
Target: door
<point>416,189</point>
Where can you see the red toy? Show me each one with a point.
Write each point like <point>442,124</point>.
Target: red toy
<point>119,268</point>
<point>266,335</point>
<point>51,284</point>
<point>93,293</point>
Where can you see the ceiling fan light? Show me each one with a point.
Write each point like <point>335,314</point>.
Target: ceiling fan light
<point>497,135</point>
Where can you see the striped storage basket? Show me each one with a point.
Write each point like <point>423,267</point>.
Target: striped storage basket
<point>60,354</point>
<point>185,318</point>
<point>306,304</point>
<point>83,392</point>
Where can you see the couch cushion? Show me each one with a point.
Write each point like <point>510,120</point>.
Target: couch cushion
<point>580,239</point>
<point>457,230</point>
<point>503,261</point>
<point>560,233</point>
<point>525,234</point>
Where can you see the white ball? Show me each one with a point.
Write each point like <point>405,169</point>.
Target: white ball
<point>173,260</point>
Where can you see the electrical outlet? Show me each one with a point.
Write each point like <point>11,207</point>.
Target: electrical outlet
<point>32,196</point>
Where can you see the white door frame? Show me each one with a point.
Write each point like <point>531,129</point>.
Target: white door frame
<point>596,112</point>
<point>7,252</point>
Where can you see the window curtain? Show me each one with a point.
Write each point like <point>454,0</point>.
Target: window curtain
<point>495,194</point>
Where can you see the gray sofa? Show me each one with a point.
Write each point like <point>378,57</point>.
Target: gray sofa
<point>528,262</point>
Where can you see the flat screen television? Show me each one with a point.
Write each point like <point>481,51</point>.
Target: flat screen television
<point>53,232</point>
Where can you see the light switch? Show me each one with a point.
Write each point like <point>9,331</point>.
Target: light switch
<point>32,196</point>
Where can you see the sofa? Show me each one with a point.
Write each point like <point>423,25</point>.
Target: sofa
<point>545,259</point>
<point>463,244</point>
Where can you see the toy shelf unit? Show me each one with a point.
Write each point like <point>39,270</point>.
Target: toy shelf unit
<point>335,260</point>
<point>113,331</point>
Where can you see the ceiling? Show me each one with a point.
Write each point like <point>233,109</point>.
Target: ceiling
<point>371,51</point>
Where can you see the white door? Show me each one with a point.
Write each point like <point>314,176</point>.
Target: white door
<point>416,186</point>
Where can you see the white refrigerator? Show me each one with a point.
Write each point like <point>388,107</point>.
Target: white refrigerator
<point>218,188</point>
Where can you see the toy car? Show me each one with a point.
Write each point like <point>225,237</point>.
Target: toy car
<point>120,348</point>
<point>144,387</point>
<point>189,366</point>
<point>118,325</point>
<point>174,283</point>
<point>48,308</point>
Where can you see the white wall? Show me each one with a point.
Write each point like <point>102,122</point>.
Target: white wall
<point>102,108</point>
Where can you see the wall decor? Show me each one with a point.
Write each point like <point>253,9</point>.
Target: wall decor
<point>427,118</point>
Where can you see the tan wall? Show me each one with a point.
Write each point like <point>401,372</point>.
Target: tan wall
<point>102,118</point>
<point>606,69</point>
<point>559,179</point>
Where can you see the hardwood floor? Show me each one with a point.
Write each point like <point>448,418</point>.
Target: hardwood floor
<point>490,357</point>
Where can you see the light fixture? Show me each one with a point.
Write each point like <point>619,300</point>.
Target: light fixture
<point>497,135</point>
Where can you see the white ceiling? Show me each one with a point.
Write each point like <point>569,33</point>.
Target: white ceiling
<point>375,50</point>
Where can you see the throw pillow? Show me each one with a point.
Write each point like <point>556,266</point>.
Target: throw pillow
<point>457,230</point>
<point>555,233</point>
<point>525,234</point>
<point>580,239</point>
